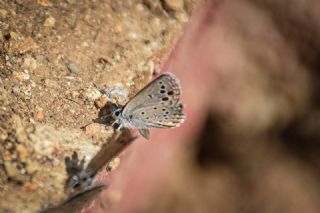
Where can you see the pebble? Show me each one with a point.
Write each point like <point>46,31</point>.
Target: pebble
<point>100,102</point>
<point>156,23</point>
<point>114,163</point>
<point>85,44</point>
<point>22,152</point>
<point>115,92</point>
<point>155,45</point>
<point>6,155</point>
<point>117,56</point>
<point>19,45</point>
<point>44,147</point>
<point>33,84</point>
<point>30,186</point>
<point>140,7</point>
<point>26,74</point>
<point>14,36</point>
<point>69,78</point>
<point>30,62</point>
<point>133,35</point>
<point>175,5</point>
<point>154,6</point>
<point>55,162</point>
<point>92,93</point>
<point>74,94</point>
<point>44,3</point>
<point>38,115</point>
<point>32,167</point>
<point>26,89</point>
<point>73,67</point>
<point>3,13</point>
<point>13,171</point>
<point>11,168</point>
<point>49,22</point>
<point>3,134</point>
<point>50,83</point>
<point>181,16</point>
<point>22,76</point>
<point>16,89</point>
<point>28,45</point>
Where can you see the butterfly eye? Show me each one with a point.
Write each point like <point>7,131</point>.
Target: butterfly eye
<point>117,112</point>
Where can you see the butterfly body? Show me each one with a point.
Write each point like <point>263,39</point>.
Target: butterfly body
<point>157,105</point>
<point>126,121</point>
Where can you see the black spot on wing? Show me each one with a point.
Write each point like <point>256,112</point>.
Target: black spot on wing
<point>170,93</point>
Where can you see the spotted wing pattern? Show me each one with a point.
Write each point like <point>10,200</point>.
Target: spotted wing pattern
<point>156,105</point>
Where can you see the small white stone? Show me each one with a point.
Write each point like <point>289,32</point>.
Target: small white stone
<point>16,89</point>
<point>133,35</point>
<point>30,62</point>
<point>22,76</point>
<point>92,93</point>
<point>139,7</point>
<point>176,5</point>
<point>181,16</point>
<point>49,22</point>
<point>85,44</point>
<point>115,92</point>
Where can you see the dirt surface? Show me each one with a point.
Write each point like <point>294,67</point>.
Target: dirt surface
<point>52,55</point>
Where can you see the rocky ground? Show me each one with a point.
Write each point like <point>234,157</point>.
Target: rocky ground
<point>53,56</point>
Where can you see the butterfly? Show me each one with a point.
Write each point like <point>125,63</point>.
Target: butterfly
<point>157,105</point>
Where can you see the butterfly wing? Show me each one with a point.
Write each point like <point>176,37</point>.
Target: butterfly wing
<point>157,104</point>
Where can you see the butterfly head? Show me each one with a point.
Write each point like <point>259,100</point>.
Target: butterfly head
<point>116,113</point>
<point>117,116</point>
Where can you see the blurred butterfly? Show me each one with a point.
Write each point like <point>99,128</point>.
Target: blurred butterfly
<point>157,105</point>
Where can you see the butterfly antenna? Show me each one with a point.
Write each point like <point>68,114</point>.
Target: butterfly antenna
<point>100,90</point>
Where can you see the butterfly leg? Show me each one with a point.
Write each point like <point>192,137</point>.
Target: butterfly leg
<point>145,133</point>
<point>116,124</point>
<point>105,117</point>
